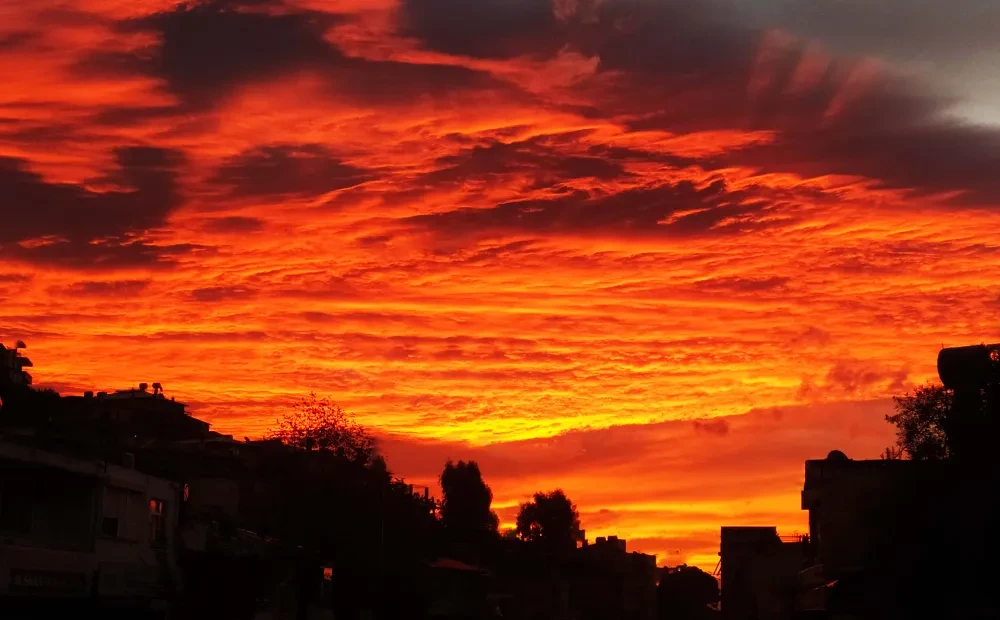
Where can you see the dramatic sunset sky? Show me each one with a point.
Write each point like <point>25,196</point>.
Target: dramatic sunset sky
<point>655,253</point>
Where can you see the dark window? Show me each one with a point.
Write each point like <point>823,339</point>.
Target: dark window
<point>109,526</point>
<point>116,515</point>
<point>15,506</point>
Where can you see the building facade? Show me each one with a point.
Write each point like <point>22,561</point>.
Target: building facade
<point>759,572</point>
<point>609,582</point>
<point>74,531</point>
<point>884,532</point>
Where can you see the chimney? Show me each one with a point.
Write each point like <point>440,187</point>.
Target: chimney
<point>427,493</point>
<point>128,460</point>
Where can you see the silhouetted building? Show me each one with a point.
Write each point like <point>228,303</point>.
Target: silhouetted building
<point>882,531</point>
<point>759,572</point>
<point>13,364</point>
<point>140,412</point>
<point>460,591</point>
<point>886,538</point>
<point>101,427</point>
<point>608,582</point>
<point>895,538</point>
<point>972,425</point>
<point>596,581</point>
<point>78,532</point>
<point>73,530</point>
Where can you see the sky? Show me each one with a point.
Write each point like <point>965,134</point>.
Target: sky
<point>654,253</point>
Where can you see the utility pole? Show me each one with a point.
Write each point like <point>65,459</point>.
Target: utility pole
<point>381,551</point>
<point>381,545</point>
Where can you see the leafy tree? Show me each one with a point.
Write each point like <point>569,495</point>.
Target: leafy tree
<point>465,509</point>
<point>550,520</point>
<point>686,592</point>
<point>920,420</point>
<point>359,516</point>
<point>320,424</point>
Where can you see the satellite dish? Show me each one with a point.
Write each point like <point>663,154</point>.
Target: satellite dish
<point>20,345</point>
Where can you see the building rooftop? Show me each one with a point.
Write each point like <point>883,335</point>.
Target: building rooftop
<point>141,392</point>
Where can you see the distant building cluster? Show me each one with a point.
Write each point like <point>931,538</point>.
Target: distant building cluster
<point>121,501</point>
<point>598,581</point>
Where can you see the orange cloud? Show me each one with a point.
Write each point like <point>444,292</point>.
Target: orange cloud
<point>569,240</point>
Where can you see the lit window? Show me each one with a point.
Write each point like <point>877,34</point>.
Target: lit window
<point>157,521</point>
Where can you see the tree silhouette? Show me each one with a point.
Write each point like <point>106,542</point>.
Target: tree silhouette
<point>685,593</point>
<point>465,509</point>
<point>920,419</point>
<point>550,520</point>
<point>891,453</point>
<point>369,523</point>
<point>320,424</point>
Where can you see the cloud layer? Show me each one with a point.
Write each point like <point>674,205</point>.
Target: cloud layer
<point>656,253</point>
